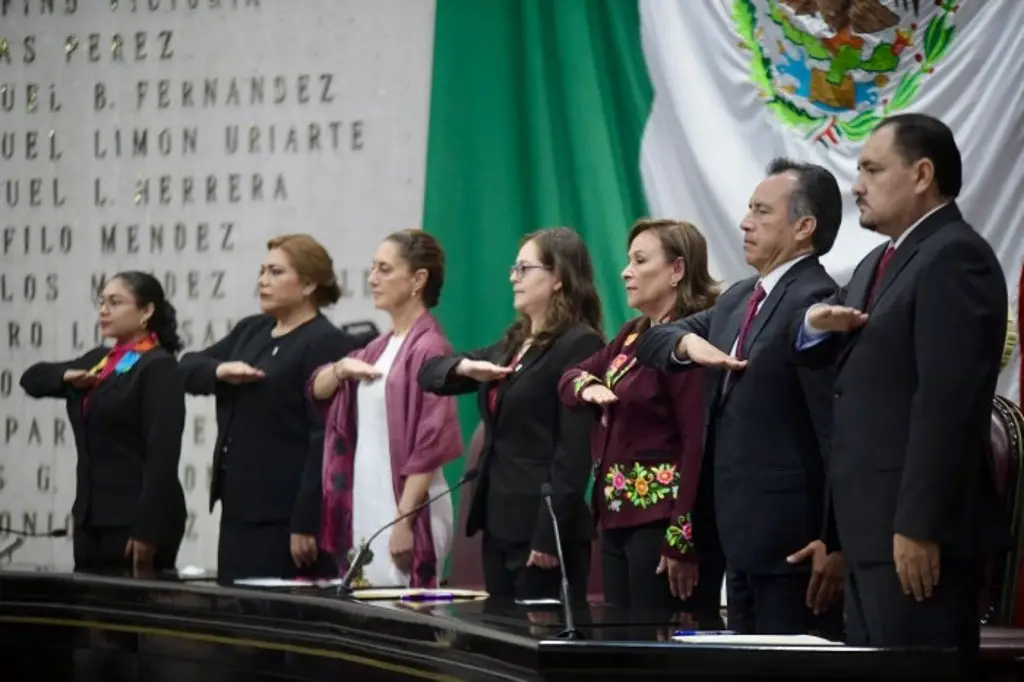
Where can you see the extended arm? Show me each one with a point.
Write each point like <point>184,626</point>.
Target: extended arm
<point>199,368</point>
<point>588,372</point>
<point>438,374</point>
<point>657,346</point>
<point>46,379</point>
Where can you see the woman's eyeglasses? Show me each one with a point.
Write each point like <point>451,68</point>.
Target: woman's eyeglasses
<point>520,269</point>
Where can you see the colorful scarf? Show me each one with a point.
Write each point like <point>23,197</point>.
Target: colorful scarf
<point>122,357</point>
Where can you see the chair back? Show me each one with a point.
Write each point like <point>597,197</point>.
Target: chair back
<point>1001,593</point>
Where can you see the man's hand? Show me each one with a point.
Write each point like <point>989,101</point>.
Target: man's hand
<point>682,576</point>
<point>698,351</point>
<point>141,554</point>
<point>835,318</point>
<point>826,584</point>
<point>304,550</point>
<point>917,565</point>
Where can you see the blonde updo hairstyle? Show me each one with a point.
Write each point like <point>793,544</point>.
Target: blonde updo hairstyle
<point>314,265</point>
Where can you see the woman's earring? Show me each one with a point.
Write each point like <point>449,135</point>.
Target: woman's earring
<point>674,283</point>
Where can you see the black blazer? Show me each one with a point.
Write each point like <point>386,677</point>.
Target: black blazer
<point>531,439</point>
<point>913,396</point>
<point>267,460</point>
<point>767,429</point>
<point>128,443</point>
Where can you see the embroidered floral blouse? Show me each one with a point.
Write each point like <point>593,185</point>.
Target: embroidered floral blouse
<point>648,446</point>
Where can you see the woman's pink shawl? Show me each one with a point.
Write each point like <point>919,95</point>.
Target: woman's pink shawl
<point>424,432</point>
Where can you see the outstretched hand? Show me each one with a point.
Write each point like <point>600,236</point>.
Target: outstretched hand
<point>481,370</point>
<point>835,318</point>
<point>701,352</point>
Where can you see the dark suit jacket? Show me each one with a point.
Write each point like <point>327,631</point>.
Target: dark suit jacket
<point>269,451</point>
<point>531,439</point>
<point>913,394</point>
<point>647,456</point>
<point>768,428</point>
<point>128,443</point>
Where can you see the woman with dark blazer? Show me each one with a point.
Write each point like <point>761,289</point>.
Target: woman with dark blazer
<point>648,440</point>
<point>267,459</point>
<point>530,438</point>
<point>126,407</point>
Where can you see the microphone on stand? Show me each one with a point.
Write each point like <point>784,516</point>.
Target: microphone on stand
<point>364,555</point>
<point>570,633</point>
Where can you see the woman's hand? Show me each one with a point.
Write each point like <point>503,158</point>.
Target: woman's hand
<point>682,576</point>
<point>79,378</point>
<point>400,546</point>
<point>598,394</point>
<point>238,373</point>
<point>481,370</point>
<point>351,368</point>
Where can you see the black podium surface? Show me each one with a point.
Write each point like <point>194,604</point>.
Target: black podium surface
<point>62,626</point>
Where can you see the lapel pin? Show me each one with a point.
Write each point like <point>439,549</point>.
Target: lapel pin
<point>274,352</point>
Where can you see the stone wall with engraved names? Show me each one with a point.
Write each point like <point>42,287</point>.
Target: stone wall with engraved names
<point>177,136</point>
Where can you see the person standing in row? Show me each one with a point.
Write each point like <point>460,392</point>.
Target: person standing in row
<point>386,438</point>
<point>648,437</point>
<point>530,438</point>
<point>917,338</point>
<point>768,422</point>
<point>267,460</point>
<point>126,406</point>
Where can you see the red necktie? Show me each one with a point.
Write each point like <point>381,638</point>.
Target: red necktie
<point>882,263</point>
<point>748,318</point>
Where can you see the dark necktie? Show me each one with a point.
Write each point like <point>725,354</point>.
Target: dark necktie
<point>748,318</point>
<point>882,263</point>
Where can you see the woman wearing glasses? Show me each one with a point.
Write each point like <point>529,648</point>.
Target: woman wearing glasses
<point>126,406</point>
<point>530,438</point>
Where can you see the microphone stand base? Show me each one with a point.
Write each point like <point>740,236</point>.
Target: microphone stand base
<point>572,635</point>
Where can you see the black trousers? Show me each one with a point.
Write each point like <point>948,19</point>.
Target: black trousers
<point>263,550</point>
<point>507,577</point>
<point>878,614</point>
<point>629,561</point>
<point>776,604</point>
<point>101,549</point>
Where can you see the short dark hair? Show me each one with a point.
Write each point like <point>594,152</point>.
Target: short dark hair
<point>422,252</point>
<point>817,195</point>
<point>920,136</point>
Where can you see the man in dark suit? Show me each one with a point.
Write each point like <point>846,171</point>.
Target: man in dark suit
<point>916,339</point>
<point>767,423</point>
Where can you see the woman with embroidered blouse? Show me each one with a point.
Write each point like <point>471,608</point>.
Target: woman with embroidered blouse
<point>386,439</point>
<point>126,406</point>
<point>647,444</point>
